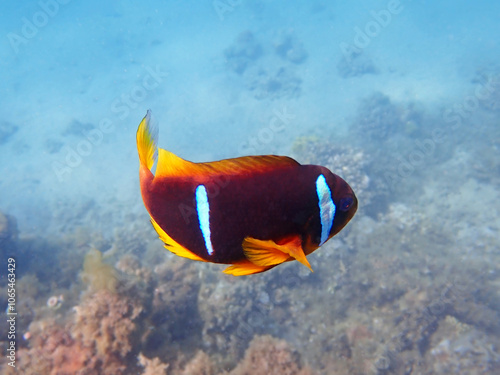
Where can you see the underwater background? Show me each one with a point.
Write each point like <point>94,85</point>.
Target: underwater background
<point>400,98</point>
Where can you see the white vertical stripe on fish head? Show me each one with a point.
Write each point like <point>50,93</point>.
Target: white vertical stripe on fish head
<point>326,207</point>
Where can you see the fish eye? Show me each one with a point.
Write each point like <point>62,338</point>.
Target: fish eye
<point>346,203</point>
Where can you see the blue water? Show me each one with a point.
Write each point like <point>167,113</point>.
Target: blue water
<point>78,76</point>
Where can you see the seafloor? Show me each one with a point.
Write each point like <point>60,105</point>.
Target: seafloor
<point>410,286</point>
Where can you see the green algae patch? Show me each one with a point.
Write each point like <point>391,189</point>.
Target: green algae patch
<point>96,273</point>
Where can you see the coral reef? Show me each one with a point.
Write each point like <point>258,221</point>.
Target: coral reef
<point>267,355</point>
<point>246,57</point>
<point>419,293</point>
<point>480,148</point>
<point>225,309</point>
<point>152,366</point>
<point>53,351</point>
<point>244,52</point>
<point>53,146</point>
<point>459,348</point>
<point>489,79</point>
<point>77,128</point>
<point>8,230</point>
<point>485,163</point>
<point>97,340</point>
<point>272,84</point>
<point>356,65</point>
<point>93,337</point>
<point>8,237</point>
<point>379,118</point>
<point>104,322</point>
<point>7,130</point>
<point>199,365</point>
<point>401,141</point>
<point>173,311</point>
<point>288,47</point>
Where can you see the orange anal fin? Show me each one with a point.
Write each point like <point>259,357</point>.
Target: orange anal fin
<point>172,245</point>
<point>268,252</point>
<point>245,268</point>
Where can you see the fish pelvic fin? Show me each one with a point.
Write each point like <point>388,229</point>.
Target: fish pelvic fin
<point>172,245</point>
<point>245,268</point>
<point>147,141</point>
<point>268,252</point>
<point>263,253</point>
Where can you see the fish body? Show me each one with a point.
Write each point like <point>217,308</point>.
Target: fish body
<point>252,212</point>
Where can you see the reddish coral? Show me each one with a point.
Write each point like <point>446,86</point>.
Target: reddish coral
<point>105,320</point>
<point>270,356</point>
<point>96,341</point>
<point>199,365</point>
<point>53,351</point>
<point>152,366</point>
<point>358,332</point>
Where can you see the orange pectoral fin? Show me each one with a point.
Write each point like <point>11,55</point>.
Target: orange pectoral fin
<point>269,253</point>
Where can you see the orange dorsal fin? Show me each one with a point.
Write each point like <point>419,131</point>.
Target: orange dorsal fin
<point>170,165</point>
<point>269,253</point>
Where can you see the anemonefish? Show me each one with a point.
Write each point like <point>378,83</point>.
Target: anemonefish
<point>252,212</point>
